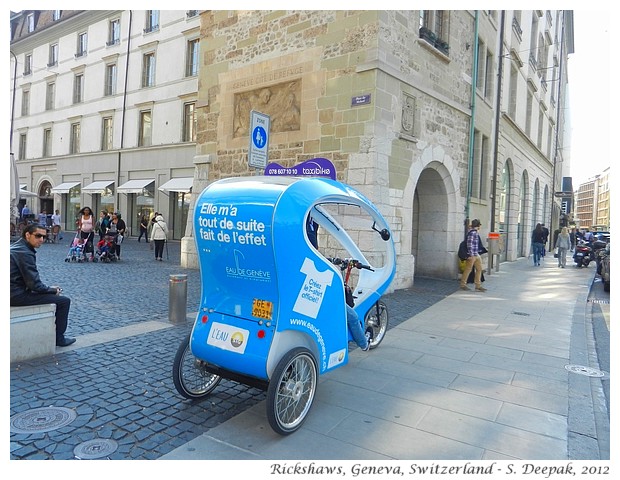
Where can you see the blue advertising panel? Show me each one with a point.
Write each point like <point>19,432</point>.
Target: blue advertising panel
<point>265,288</point>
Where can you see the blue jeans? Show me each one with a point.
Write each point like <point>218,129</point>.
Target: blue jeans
<point>355,327</point>
<point>537,248</point>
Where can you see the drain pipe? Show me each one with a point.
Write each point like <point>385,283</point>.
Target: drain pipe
<point>118,164</point>
<point>470,169</point>
<point>498,101</point>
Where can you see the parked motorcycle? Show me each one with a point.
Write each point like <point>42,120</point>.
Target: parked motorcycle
<point>583,254</point>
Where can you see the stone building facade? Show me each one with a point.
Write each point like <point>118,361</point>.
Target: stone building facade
<point>410,144</point>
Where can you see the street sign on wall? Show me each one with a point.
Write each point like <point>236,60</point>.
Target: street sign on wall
<point>259,139</point>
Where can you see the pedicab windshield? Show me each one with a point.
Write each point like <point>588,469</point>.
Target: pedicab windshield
<point>259,266</point>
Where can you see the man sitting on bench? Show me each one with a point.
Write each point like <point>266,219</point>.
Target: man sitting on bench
<point>26,286</point>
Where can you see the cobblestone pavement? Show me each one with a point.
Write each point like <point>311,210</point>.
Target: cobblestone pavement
<point>122,390</point>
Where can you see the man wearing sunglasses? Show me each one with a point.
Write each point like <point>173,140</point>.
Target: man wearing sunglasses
<point>26,286</point>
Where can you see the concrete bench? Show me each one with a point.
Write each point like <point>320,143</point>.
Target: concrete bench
<point>33,332</point>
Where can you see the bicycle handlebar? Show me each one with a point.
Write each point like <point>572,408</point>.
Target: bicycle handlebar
<point>344,263</point>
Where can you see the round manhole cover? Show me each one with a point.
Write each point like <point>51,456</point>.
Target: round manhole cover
<point>97,448</point>
<point>42,419</point>
<point>581,370</point>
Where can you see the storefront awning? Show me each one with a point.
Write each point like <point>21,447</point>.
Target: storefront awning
<point>134,186</point>
<point>97,187</point>
<point>23,193</point>
<point>183,185</point>
<point>64,187</point>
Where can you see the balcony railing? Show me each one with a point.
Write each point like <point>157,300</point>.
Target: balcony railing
<point>431,37</point>
<point>151,28</point>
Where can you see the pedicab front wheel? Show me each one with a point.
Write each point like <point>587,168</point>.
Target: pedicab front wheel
<point>291,390</point>
<point>189,374</point>
<point>376,322</point>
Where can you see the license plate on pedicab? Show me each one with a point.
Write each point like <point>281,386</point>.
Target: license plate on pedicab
<point>262,309</point>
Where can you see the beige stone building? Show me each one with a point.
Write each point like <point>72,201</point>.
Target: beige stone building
<point>593,203</point>
<point>404,104</point>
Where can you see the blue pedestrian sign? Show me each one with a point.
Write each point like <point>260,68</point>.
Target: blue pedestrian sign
<point>259,139</point>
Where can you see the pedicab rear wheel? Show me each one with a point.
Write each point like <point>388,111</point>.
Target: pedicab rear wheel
<point>291,390</point>
<point>376,322</point>
<point>190,377</point>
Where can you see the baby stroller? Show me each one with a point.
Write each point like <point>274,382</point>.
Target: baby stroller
<point>106,251</point>
<point>76,251</point>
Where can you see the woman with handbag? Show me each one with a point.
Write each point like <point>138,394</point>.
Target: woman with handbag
<point>159,234</point>
<point>118,227</point>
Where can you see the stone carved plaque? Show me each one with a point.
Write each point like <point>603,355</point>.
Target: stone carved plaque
<point>408,112</point>
<point>281,102</point>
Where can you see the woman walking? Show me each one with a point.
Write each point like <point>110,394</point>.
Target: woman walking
<point>563,245</point>
<point>86,226</point>
<point>159,234</point>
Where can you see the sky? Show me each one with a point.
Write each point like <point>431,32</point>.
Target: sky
<point>589,95</point>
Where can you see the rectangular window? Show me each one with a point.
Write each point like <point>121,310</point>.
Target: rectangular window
<point>144,139</point>
<point>541,117</point>
<point>528,114</point>
<point>481,66</point>
<point>191,13</point>
<point>30,20</point>
<point>480,166</point>
<point>53,56</point>
<point>114,32</point>
<point>28,64</point>
<point>106,134</point>
<point>78,88</point>
<point>152,21</point>
<point>549,141</point>
<point>148,70</point>
<point>47,142</point>
<point>50,95</point>
<point>82,44</point>
<point>488,80</point>
<point>193,51</point>
<point>110,80</point>
<point>435,28</point>
<point>55,15</point>
<point>512,99</point>
<point>21,154</point>
<point>25,103</point>
<point>74,144</point>
<point>189,122</point>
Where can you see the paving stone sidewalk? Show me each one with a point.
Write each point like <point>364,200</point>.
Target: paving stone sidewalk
<point>121,391</point>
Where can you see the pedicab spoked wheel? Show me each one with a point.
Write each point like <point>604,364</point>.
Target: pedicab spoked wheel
<point>291,390</point>
<point>376,322</point>
<point>190,377</point>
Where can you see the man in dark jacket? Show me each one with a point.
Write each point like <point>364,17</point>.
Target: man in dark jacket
<point>26,286</point>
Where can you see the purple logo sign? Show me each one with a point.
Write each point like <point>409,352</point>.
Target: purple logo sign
<point>315,167</point>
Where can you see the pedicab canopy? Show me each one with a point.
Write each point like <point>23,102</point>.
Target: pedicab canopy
<point>265,288</point>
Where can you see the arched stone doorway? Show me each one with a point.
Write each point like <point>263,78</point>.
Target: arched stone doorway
<point>431,223</point>
<point>46,199</point>
<point>504,209</point>
<point>522,230</point>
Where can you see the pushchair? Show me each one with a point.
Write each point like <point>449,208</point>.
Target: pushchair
<point>106,251</point>
<point>76,251</point>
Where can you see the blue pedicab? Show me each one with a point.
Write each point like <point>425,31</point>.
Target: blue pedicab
<point>272,310</point>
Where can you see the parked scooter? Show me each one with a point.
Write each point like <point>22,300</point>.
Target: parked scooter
<point>583,254</point>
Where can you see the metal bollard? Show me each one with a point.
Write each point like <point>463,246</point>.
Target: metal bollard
<point>177,307</point>
<point>493,240</point>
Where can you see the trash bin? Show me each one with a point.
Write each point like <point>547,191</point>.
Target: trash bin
<point>177,307</point>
